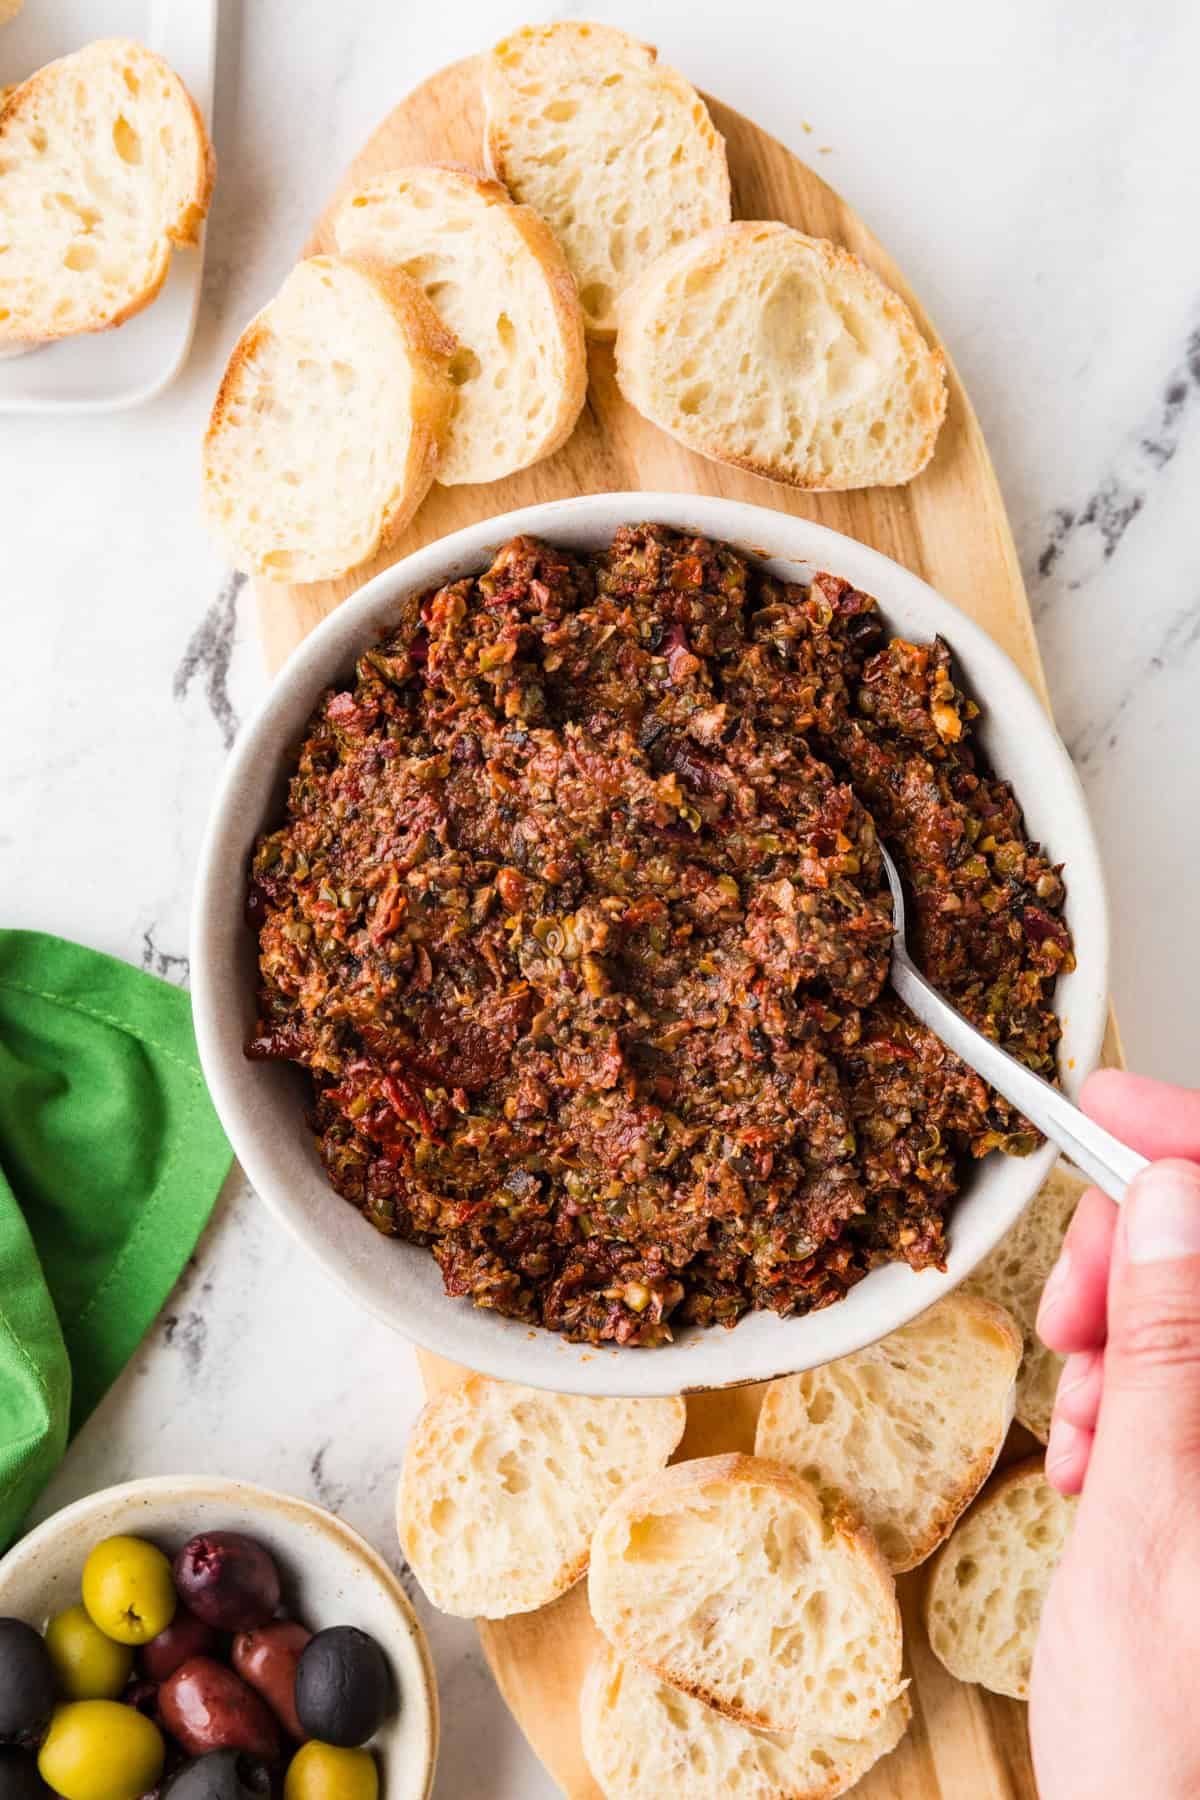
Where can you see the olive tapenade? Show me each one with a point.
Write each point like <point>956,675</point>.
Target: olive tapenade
<point>578,923</point>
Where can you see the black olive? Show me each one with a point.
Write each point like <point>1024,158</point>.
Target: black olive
<point>343,1687</point>
<point>863,632</point>
<point>649,731</point>
<point>28,1687</point>
<point>222,1775</point>
<point>19,1778</point>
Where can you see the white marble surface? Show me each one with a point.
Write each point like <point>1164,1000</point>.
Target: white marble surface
<point>1034,168</point>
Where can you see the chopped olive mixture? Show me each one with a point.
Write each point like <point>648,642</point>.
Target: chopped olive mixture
<point>578,922</point>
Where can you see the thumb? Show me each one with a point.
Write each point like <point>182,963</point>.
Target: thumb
<point>1150,1414</point>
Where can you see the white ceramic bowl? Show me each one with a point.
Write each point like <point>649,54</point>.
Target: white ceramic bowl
<point>261,1104</point>
<point>331,1576</point>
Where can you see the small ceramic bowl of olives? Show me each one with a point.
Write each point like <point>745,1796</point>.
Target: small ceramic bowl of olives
<point>194,1638</point>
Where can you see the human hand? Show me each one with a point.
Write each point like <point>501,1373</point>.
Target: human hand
<point>1113,1677</point>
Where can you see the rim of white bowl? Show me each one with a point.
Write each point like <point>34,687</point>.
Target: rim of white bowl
<point>39,1545</point>
<point>761,1345</point>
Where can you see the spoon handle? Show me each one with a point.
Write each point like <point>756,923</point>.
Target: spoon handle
<point>1102,1157</point>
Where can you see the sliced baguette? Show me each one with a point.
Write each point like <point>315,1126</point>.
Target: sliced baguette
<point>724,1578</point>
<point>502,1487</point>
<point>784,355</point>
<point>1015,1274</point>
<point>906,1431</point>
<point>644,1740</point>
<point>105,165</point>
<point>496,277</point>
<point>987,1586</point>
<point>616,152</point>
<point>325,432</point>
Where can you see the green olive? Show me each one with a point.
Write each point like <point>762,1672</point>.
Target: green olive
<point>127,1589</point>
<point>322,1772</point>
<point>89,1665</point>
<point>100,1750</point>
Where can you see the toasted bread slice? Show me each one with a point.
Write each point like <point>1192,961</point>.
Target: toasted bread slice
<point>1015,1274</point>
<point>105,165</point>
<point>644,1740</point>
<point>496,277</point>
<point>784,355</point>
<point>616,152</point>
<point>908,1430</point>
<point>988,1584</point>
<point>325,433</point>
<point>725,1578</point>
<point>502,1487</point>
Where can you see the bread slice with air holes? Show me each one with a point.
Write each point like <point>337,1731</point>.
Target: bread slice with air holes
<point>1015,1274</point>
<point>105,167</point>
<point>782,354</point>
<point>726,1578</point>
<point>906,1431</point>
<point>644,1740</point>
<point>616,152</point>
<point>325,433</point>
<point>987,1585</point>
<point>496,277</point>
<point>502,1487</point>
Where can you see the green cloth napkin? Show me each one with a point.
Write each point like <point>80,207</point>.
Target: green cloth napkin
<point>111,1157</point>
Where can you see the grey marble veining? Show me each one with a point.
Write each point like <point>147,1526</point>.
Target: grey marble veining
<point>1034,168</point>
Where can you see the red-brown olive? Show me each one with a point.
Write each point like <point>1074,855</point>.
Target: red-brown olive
<point>206,1707</point>
<point>222,1775</point>
<point>28,1684</point>
<point>343,1687</point>
<point>19,1778</point>
<point>267,1660</point>
<point>185,1636</point>
<point>228,1580</point>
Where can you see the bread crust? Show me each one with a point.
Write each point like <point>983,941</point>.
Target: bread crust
<point>1035,1242</point>
<point>577,39</point>
<point>597,1725</point>
<point>1029,1471</point>
<point>989,1318</point>
<point>639,305</point>
<point>538,239</point>
<point>429,346</point>
<point>422,1446</point>
<point>181,231</point>
<point>735,1468</point>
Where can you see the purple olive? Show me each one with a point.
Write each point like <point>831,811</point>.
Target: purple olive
<point>185,1636</point>
<point>228,1581</point>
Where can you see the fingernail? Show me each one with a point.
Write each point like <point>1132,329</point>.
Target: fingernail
<point>1055,1283</point>
<point>1162,1213</point>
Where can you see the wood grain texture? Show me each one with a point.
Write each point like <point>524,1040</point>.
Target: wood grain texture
<point>950,527</point>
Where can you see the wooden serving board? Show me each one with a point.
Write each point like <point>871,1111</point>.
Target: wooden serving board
<point>950,527</point>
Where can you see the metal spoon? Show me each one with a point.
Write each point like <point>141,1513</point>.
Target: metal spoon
<point>1102,1157</point>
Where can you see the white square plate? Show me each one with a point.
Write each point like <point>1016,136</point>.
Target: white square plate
<point>105,371</point>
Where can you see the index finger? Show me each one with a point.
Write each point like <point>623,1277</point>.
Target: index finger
<point>1153,1116</point>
